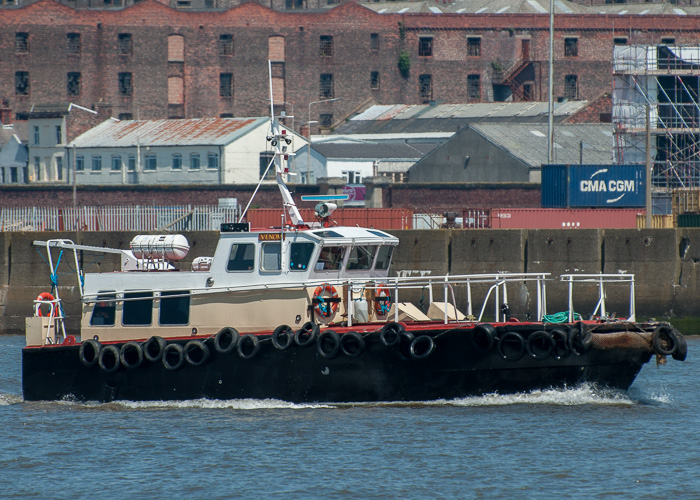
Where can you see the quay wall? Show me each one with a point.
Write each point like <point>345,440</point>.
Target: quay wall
<point>665,263</point>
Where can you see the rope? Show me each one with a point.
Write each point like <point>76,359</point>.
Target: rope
<point>560,317</point>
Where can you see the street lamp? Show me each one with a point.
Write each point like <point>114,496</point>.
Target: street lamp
<point>308,125</point>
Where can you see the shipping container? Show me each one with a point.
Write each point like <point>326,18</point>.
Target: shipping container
<point>378,218</point>
<point>553,218</point>
<point>688,220</point>
<point>657,221</point>
<point>685,201</point>
<point>593,186</point>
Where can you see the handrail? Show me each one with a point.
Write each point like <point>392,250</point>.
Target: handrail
<point>600,279</point>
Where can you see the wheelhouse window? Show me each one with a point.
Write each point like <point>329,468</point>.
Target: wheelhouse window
<point>300,255</point>
<point>104,312</point>
<point>242,257</point>
<point>384,257</point>
<point>174,308</point>
<point>271,256</point>
<point>331,259</point>
<point>361,257</point>
<point>138,311</point>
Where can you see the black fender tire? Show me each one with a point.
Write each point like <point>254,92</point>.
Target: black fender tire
<point>483,337</point>
<point>352,344</point>
<point>560,344</point>
<point>420,352</point>
<point>682,351</point>
<point>109,359</point>
<point>511,346</point>
<point>89,352</point>
<point>539,345</point>
<point>390,334</point>
<point>246,339</point>
<point>328,338</point>
<point>225,340</point>
<point>196,352</point>
<point>131,355</point>
<point>153,349</point>
<point>306,335</point>
<point>580,339</point>
<point>173,357</point>
<point>664,340</point>
<point>283,337</point>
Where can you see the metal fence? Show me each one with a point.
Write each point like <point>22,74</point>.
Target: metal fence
<point>117,218</point>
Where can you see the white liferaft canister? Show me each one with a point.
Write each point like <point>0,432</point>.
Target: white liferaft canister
<point>160,246</point>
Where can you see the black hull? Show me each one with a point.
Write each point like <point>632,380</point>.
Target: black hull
<point>456,368</point>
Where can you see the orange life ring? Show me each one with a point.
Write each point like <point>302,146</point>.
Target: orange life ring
<point>324,307</point>
<point>382,301</point>
<point>42,296</point>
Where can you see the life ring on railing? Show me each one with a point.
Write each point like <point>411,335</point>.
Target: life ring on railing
<point>382,301</point>
<point>44,296</point>
<point>325,300</point>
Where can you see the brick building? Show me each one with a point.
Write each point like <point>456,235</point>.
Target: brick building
<point>151,61</point>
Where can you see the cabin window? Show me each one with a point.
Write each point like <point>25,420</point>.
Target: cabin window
<point>103,313</point>
<point>300,255</point>
<point>271,257</point>
<point>384,257</point>
<point>174,310</point>
<point>331,259</point>
<point>242,257</point>
<point>137,312</point>
<point>361,257</point>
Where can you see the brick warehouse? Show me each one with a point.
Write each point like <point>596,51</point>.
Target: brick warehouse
<point>151,61</point>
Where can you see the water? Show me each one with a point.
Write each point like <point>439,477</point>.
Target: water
<point>577,443</point>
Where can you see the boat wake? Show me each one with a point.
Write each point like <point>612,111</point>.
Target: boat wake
<point>10,399</point>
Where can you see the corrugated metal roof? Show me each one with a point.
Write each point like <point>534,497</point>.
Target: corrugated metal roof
<point>374,150</point>
<point>528,142</point>
<point>195,132</point>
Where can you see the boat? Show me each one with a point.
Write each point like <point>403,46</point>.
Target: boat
<point>312,312</point>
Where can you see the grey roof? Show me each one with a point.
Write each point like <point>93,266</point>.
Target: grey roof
<point>348,150</point>
<point>528,142</point>
<point>405,118</point>
<point>13,153</point>
<point>195,132</point>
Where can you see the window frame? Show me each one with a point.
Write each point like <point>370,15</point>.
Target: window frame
<point>127,305</point>
<point>249,269</point>
<point>425,46</point>
<point>116,161</point>
<point>96,163</point>
<point>165,298</point>
<point>473,46</point>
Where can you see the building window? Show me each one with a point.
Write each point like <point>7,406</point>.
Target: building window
<point>325,120</point>
<point>194,161</point>
<point>37,135</point>
<point>80,163</point>
<point>474,87</point>
<point>425,87</point>
<point>226,85</point>
<point>425,46</point>
<point>571,87</point>
<point>668,41</point>
<point>126,88</point>
<point>294,4</point>
<point>474,47</point>
<point>151,162</point>
<point>116,163</point>
<point>225,45</point>
<point>21,83</point>
<point>570,47</point>
<point>213,161</point>
<point>37,168</point>
<point>620,41</point>
<point>125,44</point>
<point>97,163</point>
<point>177,161</point>
<point>73,84</point>
<point>73,43</point>
<point>59,168</point>
<point>326,86</point>
<point>374,41</point>
<point>131,163</point>
<point>21,43</point>
<point>374,80</point>
<point>126,116</point>
<point>59,135</point>
<point>326,46</point>
<point>265,159</point>
<point>352,177</point>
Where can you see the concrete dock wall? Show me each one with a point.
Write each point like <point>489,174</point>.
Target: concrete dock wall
<point>664,261</point>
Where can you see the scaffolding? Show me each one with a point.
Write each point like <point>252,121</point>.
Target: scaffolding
<point>665,80</point>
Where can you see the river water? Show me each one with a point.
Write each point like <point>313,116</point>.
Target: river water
<point>576,443</point>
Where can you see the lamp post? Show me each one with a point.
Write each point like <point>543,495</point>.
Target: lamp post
<point>308,151</point>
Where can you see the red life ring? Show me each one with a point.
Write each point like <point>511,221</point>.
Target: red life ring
<point>322,306</point>
<point>42,296</point>
<point>382,301</point>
